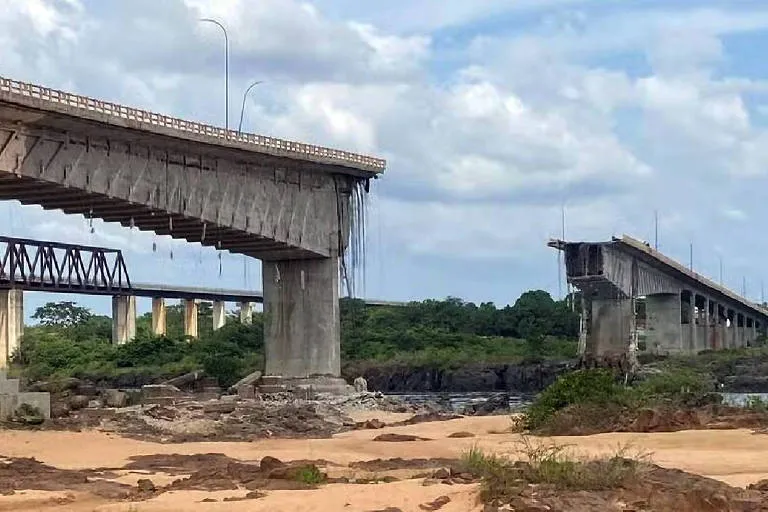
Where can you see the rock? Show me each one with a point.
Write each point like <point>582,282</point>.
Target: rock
<point>361,385</point>
<point>28,415</point>
<point>437,504</point>
<point>145,485</point>
<point>159,390</point>
<point>398,438</point>
<point>208,500</point>
<point>59,410</point>
<point>219,407</point>
<point>249,380</point>
<point>461,435</point>
<point>497,404</point>
<point>78,402</point>
<point>268,464</point>
<point>115,398</point>
<point>373,424</point>
<point>761,485</point>
<point>441,474</point>
<point>246,391</point>
<point>528,505</point>
<point>95,404</point>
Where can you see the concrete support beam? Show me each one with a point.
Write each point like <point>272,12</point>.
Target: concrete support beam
<point>246,313</point>
<point>190,317</point>
<point>706,343</point>
<point>11,323</point>
<point>301,315</point>
<point>663,328</point>
<point>609,331</point>
<point>691,347</point>
<point>159,322</point>
<point>219,314</point>
<point>123,319</point>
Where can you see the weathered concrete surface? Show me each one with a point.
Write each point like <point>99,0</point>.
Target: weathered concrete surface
<point>301,305</point>
<point>663,328</point>
<point>123,319</point>
<point>190,317</point>
<point>159,317</point>
<point>11,323</point>
<point>610,327</point>
<point>11,398</point>
<point>219,315</point>
<point>246,313</point>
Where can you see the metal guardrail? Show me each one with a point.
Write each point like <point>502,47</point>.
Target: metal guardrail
<point>220,135</point>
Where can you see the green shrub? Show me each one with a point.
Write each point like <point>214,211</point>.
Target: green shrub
<point>594,386</point>
<point>310,475</point>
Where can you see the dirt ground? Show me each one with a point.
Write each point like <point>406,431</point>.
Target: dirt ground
<point>98,471</point>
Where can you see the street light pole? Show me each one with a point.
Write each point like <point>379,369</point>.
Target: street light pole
<point>242,109</point>
<point>226,71</point>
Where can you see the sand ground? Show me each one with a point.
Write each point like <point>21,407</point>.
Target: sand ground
<point>737,457</point>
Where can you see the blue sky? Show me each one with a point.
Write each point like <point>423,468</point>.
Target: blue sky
<point>492,114</point>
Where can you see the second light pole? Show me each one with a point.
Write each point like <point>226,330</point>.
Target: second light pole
<point>242,109</point>
<point>226,71</point>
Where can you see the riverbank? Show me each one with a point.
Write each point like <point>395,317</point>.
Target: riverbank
<point>736,457</point>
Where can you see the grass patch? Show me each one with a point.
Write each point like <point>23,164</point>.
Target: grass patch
<point>552,465</point>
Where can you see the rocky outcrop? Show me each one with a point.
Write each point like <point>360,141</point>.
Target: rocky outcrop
<point>522,378</point>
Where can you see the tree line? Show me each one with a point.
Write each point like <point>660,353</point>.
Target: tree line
<point>69,340</point>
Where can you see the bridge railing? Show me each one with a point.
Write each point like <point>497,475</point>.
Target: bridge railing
<point>52,265</point>
<point>270,144</point>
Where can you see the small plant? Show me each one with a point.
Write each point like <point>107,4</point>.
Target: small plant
<point>310,475</point>
<point>551,464</point>
<point>756,404</point>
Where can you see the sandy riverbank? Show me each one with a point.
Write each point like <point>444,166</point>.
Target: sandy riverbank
<point>736,457</point>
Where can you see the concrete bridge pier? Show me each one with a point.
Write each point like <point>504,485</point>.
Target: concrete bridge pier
<point>159,321</point>
<point>190,317</point>
<point>663,323</point>
<point>246,313</point>
<point>11,323</point>
<point>610,327</point>
<point>301,313</point>
<point>123,319</point>
<point>219,314</point>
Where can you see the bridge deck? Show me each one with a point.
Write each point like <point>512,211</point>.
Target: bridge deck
<point>54,101</point>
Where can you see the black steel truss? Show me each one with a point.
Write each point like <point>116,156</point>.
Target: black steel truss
<point>51,266</point>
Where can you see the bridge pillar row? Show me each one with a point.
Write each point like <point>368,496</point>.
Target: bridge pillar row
<point>219,314</point>
<point>301,313</point>
<point>11,323</point>
<point>159,321</point>
<point>190,317</point>
<point>246,313</point>
<point>123,319</point>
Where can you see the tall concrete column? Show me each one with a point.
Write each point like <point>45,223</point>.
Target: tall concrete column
<point>706,343</point>
<point>301,315</point>
<point>159,322</point>
<point>11,323</point>
<point>246,313</point>
<point>219,314</point>
<point>663,327</point>
<point>123,319</point>
<point>692,334</point>
<point>190,317</point>
<point>610,324</point>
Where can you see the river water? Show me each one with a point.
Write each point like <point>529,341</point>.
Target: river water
<point>458,401</point>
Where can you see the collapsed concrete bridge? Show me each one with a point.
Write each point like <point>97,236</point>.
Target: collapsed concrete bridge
<point>295,206</point>
<point>633,298</point>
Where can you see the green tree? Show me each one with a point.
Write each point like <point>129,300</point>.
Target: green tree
<point>61,314</point>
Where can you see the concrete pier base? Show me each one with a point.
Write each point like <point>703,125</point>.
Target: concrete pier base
<point>663,327</point>
<point>301,315</point>
<point>190,318</point>
<point>159,322</point>
<point>219,315</point>
<point>123,319</point>
<point>610,325</point>
<point>11,323</point>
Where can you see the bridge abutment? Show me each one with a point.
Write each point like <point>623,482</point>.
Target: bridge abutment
<point>123,319</point>
<point>301,315</point>
<point>11,323</point>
